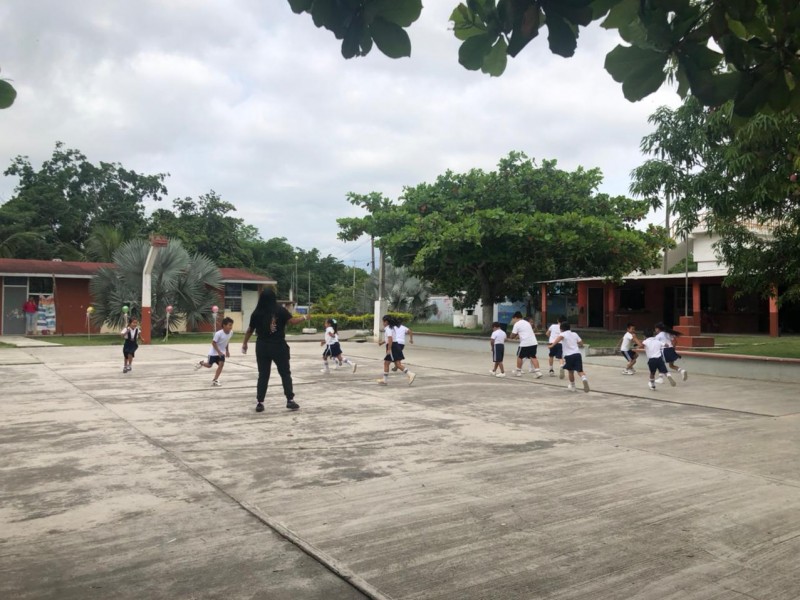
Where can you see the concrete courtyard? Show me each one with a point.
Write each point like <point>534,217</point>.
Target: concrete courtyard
<point>463,486</point>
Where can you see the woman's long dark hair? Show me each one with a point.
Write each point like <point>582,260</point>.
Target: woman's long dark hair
<point>267,306</point>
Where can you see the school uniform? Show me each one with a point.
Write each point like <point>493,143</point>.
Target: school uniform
<point>393,352</point>
<point>573,361</point>
<point>527,339</point>
<point>670,354</point>
<point>498,348</point>
<point>626,347</point>
<point>332,346</point>
<point>221,339</point>
<point>653,348</point>
<point>131,343</point>
<point>557,351</point>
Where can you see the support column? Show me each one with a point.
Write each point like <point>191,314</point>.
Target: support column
<point>774,330</point>
<point>611,305</point>
<point>697,310</point>
<point>156,243</point>
<point>583,303</point>
<point>544,306</point>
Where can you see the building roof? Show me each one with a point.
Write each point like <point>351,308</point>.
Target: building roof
<point>23,267</point>
<point>638,276</point>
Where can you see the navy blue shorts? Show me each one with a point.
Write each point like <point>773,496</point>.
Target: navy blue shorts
<point>498,352</point>
<point>656,364</point>
<point>557,351</point>
<point>394,354</point>
<point>671,355</point>
<point>630,355</point>
<point>526,351</point>
<point>573,362</point>
<point>333,349</point>
<point>216,358</point>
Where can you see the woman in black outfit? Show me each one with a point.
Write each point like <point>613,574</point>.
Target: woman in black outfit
<point>269,322</point>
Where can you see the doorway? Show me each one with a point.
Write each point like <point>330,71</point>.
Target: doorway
<point>14,296</point>
<point>596,307</point>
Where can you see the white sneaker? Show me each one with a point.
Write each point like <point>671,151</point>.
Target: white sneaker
<point>500,375</point>
<point>651,385</point>
<point>659,380</point>
<point>355,366</point>
<point>537,374</point>
<point>571,387</point>
<point>633,371</point>
<point>493,372</point>
<point>671,380</point>
<point>517,373</point>
<point>585,382</point>
<point>562,372</point>
<point>381,381</point>
<point>627,372</point>
<point>411,377</point>
<point>198,366</point>
<point>552,373</point>
<point>326,371</point>
<point>684,374</point>
<point>216,383</point>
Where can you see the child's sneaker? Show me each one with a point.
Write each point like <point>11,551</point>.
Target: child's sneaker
<point>671,380</point>
<point>627,372</point>
<point>684,374</point>
<point>493,372</point>
<point>659,380</point>
<point>216,383</point>
<point>517,373</point>
<point>561,373</point>
<point>651,384</point>
<point>355,366</point>
<point>198,366</point>
<point>292,405</point>
<point>500,375</point>
<point>381,381</point>
<point>411,377</point>
<point>259,407</point>
<point>571,387</point>
<point>326,371</point>
<point>552,373</point>
<point>537,374</point>
<point>585,382</point>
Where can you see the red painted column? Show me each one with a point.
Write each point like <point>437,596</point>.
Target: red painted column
<point>611,295</point>
<point>146,325</point>
<point>697,310</point>
<point>583,302</point>
<point>544,306</point>
<point>773,314</point>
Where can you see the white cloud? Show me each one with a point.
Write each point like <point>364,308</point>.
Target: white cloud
<point>253,101</point>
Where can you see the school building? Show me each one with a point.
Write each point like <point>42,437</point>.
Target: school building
<point>62,291</point>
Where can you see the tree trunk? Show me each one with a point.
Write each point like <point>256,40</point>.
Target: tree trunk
<point>488,313</point>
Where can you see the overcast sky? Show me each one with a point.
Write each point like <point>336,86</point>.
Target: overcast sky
<point>248,99</point>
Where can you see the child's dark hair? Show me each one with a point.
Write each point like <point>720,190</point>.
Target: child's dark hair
<point>332,323</point>
<point>629,325</point>
<point>564,326</point>
<point>226,321</point>
<point>391,320</point>
<point>661,327</point>
<point>648,333</point>
<point>562,319</point>
<point>496,324</point>
<point>517,315</point>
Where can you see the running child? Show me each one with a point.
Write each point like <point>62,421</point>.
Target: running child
<point>627,345</point>
<point>654,349</point>
<point>402,331</point>
<point>332,347</point>
<point>573,361</point>
<point>556,350</point>
<point>219,350</point>
<point>131,336</point>
<point>498,345</point>
<point>667,336</point>
<point>527,344</point>
<point>393,352</point>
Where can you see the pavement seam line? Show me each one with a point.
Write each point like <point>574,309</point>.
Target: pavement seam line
<point>304,546</point>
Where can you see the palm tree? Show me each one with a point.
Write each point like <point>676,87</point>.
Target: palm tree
<point>186,282</point>
<point>404,292</point>
<point>10,246</point>
<point>103,242</point>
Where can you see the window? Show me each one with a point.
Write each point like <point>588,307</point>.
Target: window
<point>631,297</point>
<point>40,285</point>
<point>233,297</point>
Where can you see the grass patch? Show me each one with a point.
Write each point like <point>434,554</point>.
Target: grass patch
<point>756,345</point>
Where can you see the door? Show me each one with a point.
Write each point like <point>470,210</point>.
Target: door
<point>13,317</point>
<point>596,307</point>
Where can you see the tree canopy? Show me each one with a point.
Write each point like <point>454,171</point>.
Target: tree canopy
<point>488,236</point>
<point>745,51</point>
<point>739,181</point>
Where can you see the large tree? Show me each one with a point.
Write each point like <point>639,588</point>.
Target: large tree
<point>746,51</point>
<point>488,236</point>
<point>68,197</point>
<point>741,181</point>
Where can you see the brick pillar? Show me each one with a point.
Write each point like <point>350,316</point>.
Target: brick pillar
<point>583,302</point>
<point>774,331</point>
<point>611,305</point>
<point>697,310</point>
<point>544,306</point>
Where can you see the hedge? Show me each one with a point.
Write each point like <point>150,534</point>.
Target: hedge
<point>343,321</point>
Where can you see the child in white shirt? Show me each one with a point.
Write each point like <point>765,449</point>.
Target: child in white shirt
<point>498,345</point>
<point>573,361</point>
